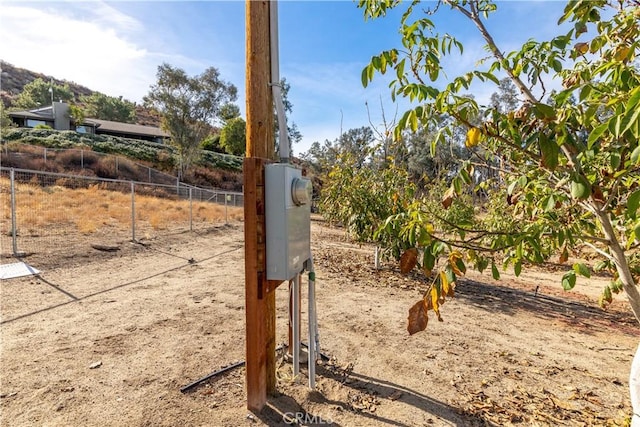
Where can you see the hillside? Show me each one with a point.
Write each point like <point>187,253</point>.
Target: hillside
<point>13,79</point>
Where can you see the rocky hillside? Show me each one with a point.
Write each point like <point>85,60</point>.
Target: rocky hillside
<point>13,79</point>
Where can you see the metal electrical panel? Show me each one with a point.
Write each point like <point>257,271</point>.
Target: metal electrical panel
<point>288,220</point>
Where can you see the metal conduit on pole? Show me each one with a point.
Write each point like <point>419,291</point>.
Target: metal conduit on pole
<point>276,88</point>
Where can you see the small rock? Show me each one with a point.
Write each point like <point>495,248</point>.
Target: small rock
<point>395,395</point>
<point>95,365</point>
<point>251,417</point>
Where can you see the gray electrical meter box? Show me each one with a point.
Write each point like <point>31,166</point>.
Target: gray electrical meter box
<point>288,220</point>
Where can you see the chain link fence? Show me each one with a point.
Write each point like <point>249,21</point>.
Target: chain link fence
<point>45,212</point>
<point>103,164</point>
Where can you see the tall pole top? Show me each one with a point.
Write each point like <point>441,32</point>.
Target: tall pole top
<point>260,125</point>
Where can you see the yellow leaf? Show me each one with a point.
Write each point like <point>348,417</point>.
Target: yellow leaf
<point>582,47</point>
<point>444,283</point>
<point>443,280</point>
<point>454,257</point>
<point>435,302</point>
<point>621,53</point>
<point>473,137</point>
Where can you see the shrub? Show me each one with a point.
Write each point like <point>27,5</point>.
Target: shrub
<point>106,168</point>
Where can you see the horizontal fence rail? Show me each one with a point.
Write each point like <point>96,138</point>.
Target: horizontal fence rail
<point>52,212</point>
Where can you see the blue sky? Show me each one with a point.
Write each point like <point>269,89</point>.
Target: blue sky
<point>115,47</point>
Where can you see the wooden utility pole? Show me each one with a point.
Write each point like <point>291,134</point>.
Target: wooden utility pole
<point>259,292</point>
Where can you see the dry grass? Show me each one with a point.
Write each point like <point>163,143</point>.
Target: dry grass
<point>40,209</point>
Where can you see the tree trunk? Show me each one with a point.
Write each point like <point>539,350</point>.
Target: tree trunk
<point>622,266</point>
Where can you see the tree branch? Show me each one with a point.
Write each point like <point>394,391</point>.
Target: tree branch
<point>473,16</point>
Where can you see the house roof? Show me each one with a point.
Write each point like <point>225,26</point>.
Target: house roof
<point>45,113</point>
<point>126,128</point>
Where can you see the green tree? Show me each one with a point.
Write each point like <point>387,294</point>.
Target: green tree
<point>594,197</point>
<point>5,120</point>
<point>292,129</point>
<point>506,98</point>
<point>189,106</point>
<point>356,143</point>
<point>212,143</point>
<point>233,137</point>
<point>361,197</point>
<point>39,93</point>
<point>429,163</point>
<point>104,107</point>
<point>76,114</point>
<point>571,170</point>
<point>228,112</point>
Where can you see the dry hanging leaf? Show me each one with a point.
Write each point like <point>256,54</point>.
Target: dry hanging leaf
<point>408,260</point>
<point>447,198</point>
<point>564,255</point>
<point>418,318</point>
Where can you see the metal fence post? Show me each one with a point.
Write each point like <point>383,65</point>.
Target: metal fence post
<point>14,232</point>
<point>82,159</point>
<point>117,164</point>
<point>45,154</point>
<point>133,211</point>
<point>225,209</point>
<point>190,210</point>
<point>149,174</point>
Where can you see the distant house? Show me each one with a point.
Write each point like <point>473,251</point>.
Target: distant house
<point>57,117</point>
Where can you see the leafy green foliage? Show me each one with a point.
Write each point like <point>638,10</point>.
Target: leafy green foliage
<point>568,167</point>
<point>5,120</point>
<point>212,143</point>
<point>104,107</point>
<point>159,154</point>
<point>360,198</point>
<point>40,93</point>
<point>189,106</point>
<point>233,137</point>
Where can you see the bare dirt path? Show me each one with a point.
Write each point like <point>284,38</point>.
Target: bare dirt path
<point>110,340</point>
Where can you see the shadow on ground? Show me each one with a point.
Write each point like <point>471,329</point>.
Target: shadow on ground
<point>585,315</point>
<point>286,410</point>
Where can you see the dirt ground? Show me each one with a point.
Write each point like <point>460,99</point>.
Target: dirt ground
<point>109,338</point>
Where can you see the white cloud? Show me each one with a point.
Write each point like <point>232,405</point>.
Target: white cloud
<point>90,48</point>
